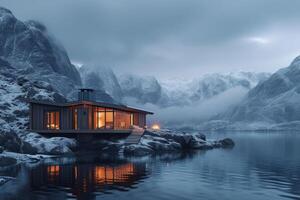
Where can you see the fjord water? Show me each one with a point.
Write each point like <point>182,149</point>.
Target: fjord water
<point>260,166</point>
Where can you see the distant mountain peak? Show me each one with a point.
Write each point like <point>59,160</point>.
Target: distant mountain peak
<point>273,101</point>
<point>296,61</point>
<point>4,10</point>
<point>29,48</point>
<point>36,24</point>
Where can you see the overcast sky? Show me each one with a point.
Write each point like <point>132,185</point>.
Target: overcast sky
<point>168,38</point>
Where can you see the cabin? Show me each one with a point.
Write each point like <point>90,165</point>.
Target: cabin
<point>84,116</point>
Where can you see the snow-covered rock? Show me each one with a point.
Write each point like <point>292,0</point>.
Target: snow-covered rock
<point>166,141</point>
<point>53,146</point>
<point>5,179</point>
<point>15,90</point>
<point>7,161</point>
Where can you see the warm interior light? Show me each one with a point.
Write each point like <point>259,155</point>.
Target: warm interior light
<point>155,127</point>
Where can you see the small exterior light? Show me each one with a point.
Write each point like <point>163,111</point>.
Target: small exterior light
<point>155,127</point>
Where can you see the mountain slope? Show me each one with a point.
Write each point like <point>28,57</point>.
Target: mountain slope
<point>32,66</point>
<point>29,48</point>
<point>140,90</point>
<point>209,86</point>
<point>103,81</point>
<point>273,101</point>
<point>144,89</point>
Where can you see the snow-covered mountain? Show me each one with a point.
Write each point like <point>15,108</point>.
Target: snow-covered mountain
<point>140,90</point>
<point>272,103</point>
<point>33,65</point>
<point>185,92</point>
<point>175,101</point>
<point>144,89</point>
<point>103,80</point>
<point>29,48</point>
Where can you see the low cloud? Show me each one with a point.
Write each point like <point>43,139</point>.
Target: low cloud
<point>171,37</point>
<point>195,113</point>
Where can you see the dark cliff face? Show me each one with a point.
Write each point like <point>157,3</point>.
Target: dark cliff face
<point>103,81</point>
<point>144,89</point>
<point>275,100</point>
<point>29,48</point>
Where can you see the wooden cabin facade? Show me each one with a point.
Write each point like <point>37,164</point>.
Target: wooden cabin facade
<point>84,116</point>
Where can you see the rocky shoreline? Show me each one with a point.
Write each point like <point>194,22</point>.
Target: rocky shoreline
<point>151,143</point>
<point>167,141</point>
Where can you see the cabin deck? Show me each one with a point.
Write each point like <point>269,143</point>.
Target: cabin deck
<point>107,133</point>
<point>112,131</point>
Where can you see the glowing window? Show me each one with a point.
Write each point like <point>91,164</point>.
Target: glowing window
<point>99,119</point>
<point>109,120</point>
<point>131,119</point>
<point>52,120</point>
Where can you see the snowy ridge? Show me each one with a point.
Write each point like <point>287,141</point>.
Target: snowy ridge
<point>101,79</point>
<point>209,86</point>
<point>140,90</point>
<point>29,48</point>
<point>272,105</point>
<point>33,65</point>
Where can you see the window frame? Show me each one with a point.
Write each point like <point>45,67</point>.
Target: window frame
<point>47,119</point>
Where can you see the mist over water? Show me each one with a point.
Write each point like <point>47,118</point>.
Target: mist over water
<point>193,114</point>
<point>260,166</point>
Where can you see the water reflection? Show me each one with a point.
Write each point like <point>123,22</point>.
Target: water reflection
<point>82,181</point>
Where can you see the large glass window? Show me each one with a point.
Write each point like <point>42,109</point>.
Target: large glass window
<point>109,120</point>
<point>106,118</point>
<point>122,120</point>
<point>52,120</point>
<point>99,119</point>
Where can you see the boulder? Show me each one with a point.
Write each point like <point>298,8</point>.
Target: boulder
<point>21,113</point>
<point>10,141</point>
<point>201,136</point>
<point>147,132</point>
<point>21,80</point>
<point>7,161</point>
<point>183,139</point>
<point>27,148</point>
<point>111,148</point>
<point>197,143</point>
<point>159,144</point>
<point>52,146</point>
<point>137,150</point>
<point>227,143</point>
<point>160,141</point>
<point>58,150</point>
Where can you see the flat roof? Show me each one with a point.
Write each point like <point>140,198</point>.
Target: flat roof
<point>94,103</point>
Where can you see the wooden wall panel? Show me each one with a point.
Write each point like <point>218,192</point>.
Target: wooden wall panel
<point>142,120</point>
<point>38,115</point>
<point>136,119</point>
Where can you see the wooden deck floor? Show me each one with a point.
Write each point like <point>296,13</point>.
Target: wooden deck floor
<point>102,131</point>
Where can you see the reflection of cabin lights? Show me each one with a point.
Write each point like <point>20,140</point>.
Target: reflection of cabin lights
<point>155,127</point>
<point>112,175</point>
<point>53,170</point>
